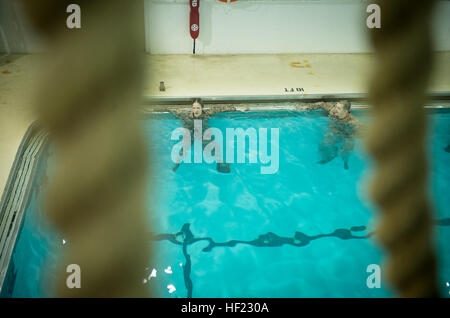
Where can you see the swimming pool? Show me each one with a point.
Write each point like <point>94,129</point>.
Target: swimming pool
<point>305,231</point>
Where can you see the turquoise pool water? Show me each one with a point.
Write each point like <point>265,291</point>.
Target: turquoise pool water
<point>304,231</point>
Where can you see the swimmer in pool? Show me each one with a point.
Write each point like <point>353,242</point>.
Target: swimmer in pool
<point>199,113</point>
<point>339,141</point>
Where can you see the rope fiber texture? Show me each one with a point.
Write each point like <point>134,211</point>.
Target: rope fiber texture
<point>87,98</point>
<point>396,140</point>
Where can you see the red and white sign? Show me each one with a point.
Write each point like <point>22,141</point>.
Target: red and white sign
<point>194,21</point>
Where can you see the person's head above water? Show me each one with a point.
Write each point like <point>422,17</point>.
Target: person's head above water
<point>197,108</point>
<point>341,110</point>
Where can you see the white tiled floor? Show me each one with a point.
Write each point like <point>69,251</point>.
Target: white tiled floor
<point>237,75</point>
<point>200,76</point>
<point>250,75</point>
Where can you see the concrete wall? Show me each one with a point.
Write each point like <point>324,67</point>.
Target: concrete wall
<point>246,26</point>
<point>323,26</point>
<point>16,36</point>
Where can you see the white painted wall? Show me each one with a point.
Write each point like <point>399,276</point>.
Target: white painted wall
<point>290,26</point>
<point>246,26</point>
<point>16,35</point>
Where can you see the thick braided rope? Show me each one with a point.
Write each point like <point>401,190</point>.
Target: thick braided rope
<point>397,142</point>
<point>87,99</point>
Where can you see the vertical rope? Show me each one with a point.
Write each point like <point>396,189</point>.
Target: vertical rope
<point>87,100</point>
<point>397,142</point>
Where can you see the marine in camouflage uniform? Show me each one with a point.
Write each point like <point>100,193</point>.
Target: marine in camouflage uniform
<point>188,119</point>
<point>340,139</point>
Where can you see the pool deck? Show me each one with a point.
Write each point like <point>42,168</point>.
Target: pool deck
<point>208,76</point>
